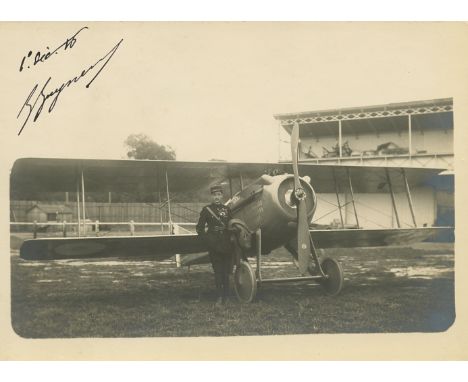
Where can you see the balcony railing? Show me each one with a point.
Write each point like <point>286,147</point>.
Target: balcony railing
<point>440,160</point>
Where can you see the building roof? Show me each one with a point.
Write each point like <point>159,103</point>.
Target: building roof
<point>414,107</point>
<point>51,208</point>
<point>427,114</point>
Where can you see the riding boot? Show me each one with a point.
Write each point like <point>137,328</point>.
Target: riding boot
<point>225,286</point>
<point>219,288</point>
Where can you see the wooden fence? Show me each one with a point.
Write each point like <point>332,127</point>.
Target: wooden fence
<point>115,212</point>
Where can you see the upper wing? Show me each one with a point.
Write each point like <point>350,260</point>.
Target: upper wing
<point>155,247</point>
<point>57,175</point>
<point>54,175</point>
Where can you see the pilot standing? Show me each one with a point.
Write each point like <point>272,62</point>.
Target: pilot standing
<point>216,216</point>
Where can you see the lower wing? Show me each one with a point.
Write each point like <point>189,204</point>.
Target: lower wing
<point>156,247</point>
<point>164,246</point>
<point>353,238</point>
<point>350,238</point>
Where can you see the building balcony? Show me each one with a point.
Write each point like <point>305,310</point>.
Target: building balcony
<point>439,160</point>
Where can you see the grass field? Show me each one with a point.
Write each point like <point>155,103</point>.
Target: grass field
<point>386,290</point>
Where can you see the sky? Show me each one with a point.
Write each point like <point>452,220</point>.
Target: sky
<point>210,90</point>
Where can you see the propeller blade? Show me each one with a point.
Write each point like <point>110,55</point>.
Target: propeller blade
<point>294,152</point>
<point>303,238</point>
<point>303,235</point>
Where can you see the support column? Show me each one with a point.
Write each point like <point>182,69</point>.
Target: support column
<point>408,196</point>
<point>241,181</point>
<point>393,197</point>
<point>340,138</point>
<point>352,197</point>
<point>409,137</point>
<point>338,197</point>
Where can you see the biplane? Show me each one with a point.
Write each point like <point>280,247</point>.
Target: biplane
<point>273,210</point>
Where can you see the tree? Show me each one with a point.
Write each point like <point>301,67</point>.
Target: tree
<point>140,146</point>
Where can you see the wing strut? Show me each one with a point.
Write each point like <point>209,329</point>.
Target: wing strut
<point>171,232</point>
<point>83,202</point>
<point>392,196</point>
<point>160,212</point>
<point>352,197</point>
<point>338,197</point>
<point>78,206</point>
<point>230,187</point>
<point>241,180</point>
<point>408,196</point>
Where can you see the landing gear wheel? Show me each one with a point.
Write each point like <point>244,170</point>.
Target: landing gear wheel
<point>245,282</point>
<point>334,282</point>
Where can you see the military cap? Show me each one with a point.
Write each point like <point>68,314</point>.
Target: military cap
<point>216,188</point>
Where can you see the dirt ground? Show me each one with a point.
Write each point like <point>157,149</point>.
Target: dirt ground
<point>386,290</point>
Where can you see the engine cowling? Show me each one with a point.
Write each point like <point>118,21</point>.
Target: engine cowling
<point>279,218</point>
<point>268,204</point>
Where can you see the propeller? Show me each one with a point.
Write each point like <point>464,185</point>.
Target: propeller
<point>299,198</point>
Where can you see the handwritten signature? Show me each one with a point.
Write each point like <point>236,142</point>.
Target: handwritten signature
<point>42,57</point>
<point>37,104</point>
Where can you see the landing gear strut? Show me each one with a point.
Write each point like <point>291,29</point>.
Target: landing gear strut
<point>327,273</point>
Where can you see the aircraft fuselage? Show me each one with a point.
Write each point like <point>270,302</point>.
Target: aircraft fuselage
<point>268,204</point>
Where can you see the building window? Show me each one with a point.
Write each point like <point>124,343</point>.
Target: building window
<point>52,217</point>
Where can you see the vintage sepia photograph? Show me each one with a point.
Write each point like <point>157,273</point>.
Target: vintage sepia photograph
<point>231,179</point>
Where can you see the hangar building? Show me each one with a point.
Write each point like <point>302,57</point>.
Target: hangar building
<point>408,134</point>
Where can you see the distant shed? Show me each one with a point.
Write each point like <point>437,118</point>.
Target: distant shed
<point>48,213</point>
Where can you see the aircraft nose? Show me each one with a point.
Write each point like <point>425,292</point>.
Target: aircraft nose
<point>286,196</point>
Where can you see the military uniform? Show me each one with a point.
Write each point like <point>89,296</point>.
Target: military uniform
<point>219,245</point>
